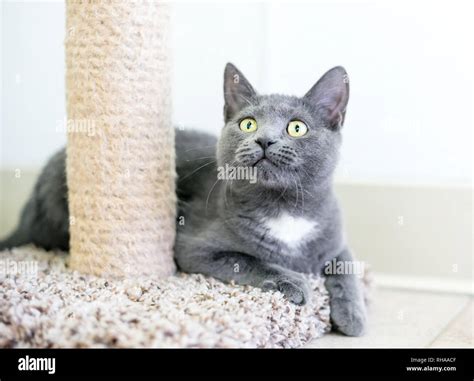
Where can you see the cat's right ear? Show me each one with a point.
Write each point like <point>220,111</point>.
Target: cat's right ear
<point>238,92</point>
<point>330,96</point>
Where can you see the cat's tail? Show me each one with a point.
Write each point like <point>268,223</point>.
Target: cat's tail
<point>17,238</point>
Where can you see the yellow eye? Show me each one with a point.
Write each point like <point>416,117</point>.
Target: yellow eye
<point>297,128</point>
<point>248,125</point>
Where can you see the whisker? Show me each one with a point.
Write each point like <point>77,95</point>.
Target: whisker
<point>196,170</point>
<point>302,196</point>
<point>209,194</point>
<point>230,184</point>
<point>281,194</point>
<point>308,175</point>
<point>192,149</point>
<point>296,203</point>
<point>201,158</point>
<point>225,192</point>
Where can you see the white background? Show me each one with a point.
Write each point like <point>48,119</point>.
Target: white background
<point>410,114</point>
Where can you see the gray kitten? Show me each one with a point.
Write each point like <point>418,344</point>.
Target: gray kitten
<point>282,219</point>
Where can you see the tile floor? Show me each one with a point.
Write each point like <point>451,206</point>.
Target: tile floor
<point>405,318</point>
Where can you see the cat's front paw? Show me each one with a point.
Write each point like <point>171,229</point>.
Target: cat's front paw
<point>295,288</point>
<point>348,317</point>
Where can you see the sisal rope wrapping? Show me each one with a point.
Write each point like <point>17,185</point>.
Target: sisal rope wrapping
<point>120,153</point>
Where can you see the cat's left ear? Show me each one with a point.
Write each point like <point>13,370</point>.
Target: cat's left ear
<point>238,92</point>
<point>330,96</point>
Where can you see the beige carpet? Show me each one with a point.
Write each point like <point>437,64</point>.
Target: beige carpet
<point>44,304</point>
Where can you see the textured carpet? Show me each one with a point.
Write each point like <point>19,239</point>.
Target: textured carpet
<point>44,304</point>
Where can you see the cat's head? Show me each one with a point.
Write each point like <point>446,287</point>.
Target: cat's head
<point>286,138</point>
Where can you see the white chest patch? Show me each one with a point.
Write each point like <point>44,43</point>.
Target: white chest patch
<point>293,231</point>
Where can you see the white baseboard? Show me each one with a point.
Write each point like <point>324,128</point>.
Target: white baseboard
<point>430,284</point>
<point>414,230</point>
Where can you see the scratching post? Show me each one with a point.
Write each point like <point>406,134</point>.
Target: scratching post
<point>120,152</point>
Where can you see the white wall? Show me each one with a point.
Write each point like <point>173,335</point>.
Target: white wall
<point>410,115</point>
<point>33,94</point>
<point>205,37</point>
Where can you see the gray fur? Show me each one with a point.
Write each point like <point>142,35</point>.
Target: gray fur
<point>221,229</point>
<point>44,220</point>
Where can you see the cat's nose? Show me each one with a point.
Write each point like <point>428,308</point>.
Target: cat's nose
<point>264,143</point>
